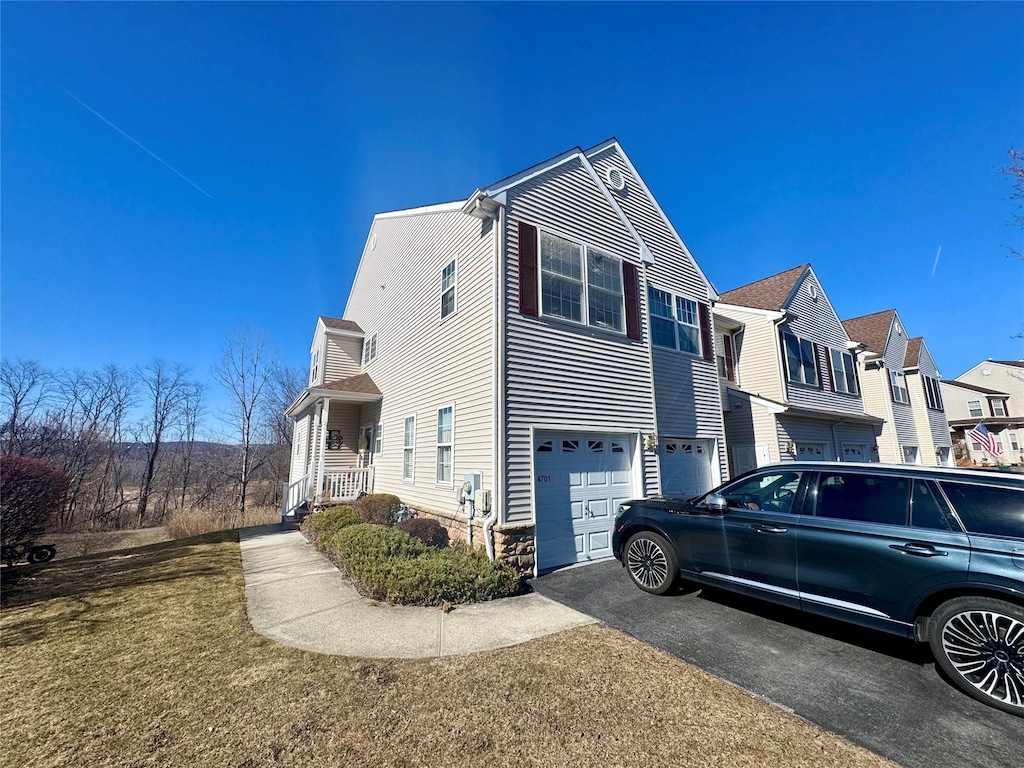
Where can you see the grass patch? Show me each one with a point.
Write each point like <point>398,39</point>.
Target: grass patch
<point>146,658</point>
<point>81,544</point>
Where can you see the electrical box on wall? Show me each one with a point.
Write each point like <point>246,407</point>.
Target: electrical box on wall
<point>470,485</point>
<point>482,502</point>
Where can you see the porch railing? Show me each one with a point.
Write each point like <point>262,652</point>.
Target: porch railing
<point>294,495</point>
<point>347,484</point>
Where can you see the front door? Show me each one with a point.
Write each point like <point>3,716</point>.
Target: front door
<point>366,445</point>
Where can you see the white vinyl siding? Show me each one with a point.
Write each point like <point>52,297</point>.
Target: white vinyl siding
<point>409,449</point>
<point>675,323</point>
<point>591,295</point>
<point>844,372</point>
<point>801,364</point>
<point>341,357</point>
<point>448,290</point>
<point>445,443</point>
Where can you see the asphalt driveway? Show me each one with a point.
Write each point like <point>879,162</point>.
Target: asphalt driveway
<point>878,691</point>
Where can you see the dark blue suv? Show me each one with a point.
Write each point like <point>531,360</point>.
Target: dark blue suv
<point>932,554</point>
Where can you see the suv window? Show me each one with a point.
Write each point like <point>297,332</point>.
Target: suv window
<point>996,511</point>
<point>927,510</point>
<point>774,492</point>
<point>864,498</point>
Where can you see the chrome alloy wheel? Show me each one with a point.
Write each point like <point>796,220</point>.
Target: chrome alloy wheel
<point>647,563</point>
<point>986,649</point>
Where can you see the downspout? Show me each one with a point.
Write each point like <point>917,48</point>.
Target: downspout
<point>835,439</point>
<point>642,291</point>
<point>498,384</point>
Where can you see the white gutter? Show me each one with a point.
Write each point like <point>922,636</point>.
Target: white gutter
<point>497,383</point>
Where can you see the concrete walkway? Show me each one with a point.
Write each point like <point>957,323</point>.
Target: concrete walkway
<point>297,597</point>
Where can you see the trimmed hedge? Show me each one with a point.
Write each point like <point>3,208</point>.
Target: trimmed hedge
<point>319,527</point>
<point>427,530</point>
<point>377,508</point>
<point>391,565</point>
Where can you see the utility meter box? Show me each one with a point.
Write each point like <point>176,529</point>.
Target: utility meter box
<point>470,485</point>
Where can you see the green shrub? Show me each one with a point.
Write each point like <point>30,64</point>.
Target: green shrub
<point>427,530</point>
<point>390,565</point>
<point>377,508</point>
<point>321,526</point>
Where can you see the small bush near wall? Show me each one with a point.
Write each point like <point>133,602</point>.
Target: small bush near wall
<point>427,530</point>
<point>388,564</point>
<point>321,526</point>
<point>376,508</point>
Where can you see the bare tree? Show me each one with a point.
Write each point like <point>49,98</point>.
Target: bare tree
<point>245,371</point>
<point>166,390</point>
<point>1015,170</point>
<point>24,386</point>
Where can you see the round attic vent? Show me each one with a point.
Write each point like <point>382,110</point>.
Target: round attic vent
<point>812,289</point>
<point>615,179</point>
<point>986,371</point>
<point>899,330</point>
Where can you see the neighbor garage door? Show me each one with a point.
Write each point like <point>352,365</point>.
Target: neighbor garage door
<point>685,467</point>
<point>579,482</point>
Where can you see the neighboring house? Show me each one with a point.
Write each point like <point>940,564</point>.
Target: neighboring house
<point>884,382</point>
<point>789,374</point>
<point>930,423</point>
<point>508,337</point>
<point>990,393</point>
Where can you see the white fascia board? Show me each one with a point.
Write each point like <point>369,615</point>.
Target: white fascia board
<point>311,394</point>
<point>344,332</point>
<point>712,293</point>
<point>771,314</point>
<point>645,252</point>
<point>438,208</point>
<point>533,171</point>
<point>769,405</point>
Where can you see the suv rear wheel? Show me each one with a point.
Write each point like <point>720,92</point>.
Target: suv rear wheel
<point>979,643</point>
<point>651,562</point>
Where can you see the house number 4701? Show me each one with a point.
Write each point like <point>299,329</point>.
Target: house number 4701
<point>543,478</point>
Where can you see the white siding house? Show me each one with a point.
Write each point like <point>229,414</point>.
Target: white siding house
<point>508,337</point>
<point>990,393</point>
<point>788,375</point>
<point>923,385</point>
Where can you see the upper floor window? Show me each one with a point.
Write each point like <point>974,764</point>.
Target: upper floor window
<point>370,349</point>
<point>586,290</point>
<point>898,383</point>
<point>726,359</point>
<point>932,394</point>
<point>998,407</point>
<point>675,323</point>
<point>314,367</point>
<point>445,440</point>
<point>800,361</point>
<point>974,409</point>
<point>844,372</point>
<point>448,290</point>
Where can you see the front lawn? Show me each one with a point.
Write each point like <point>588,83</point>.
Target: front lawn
<point>146,657</point>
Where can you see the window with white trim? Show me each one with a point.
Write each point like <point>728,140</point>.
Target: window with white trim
<point>932,393</point>
<point>1014,443</point>
<point>445,440</point>
<point>899,387</point>
<point>974,409</point>
<point>844,372</point>
<point>370,349</point>
<point>998,407</point>
<point>801,364</point>
<point>675,322</point>
<point>583,290</point>
<point>448,290</point>
<point>409,449</point>
<point>314,367</point>
<point>377,439</point>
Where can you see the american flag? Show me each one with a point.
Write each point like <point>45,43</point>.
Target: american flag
<point>981,435</point>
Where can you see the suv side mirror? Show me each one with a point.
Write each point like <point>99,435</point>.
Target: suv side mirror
<point>717,503</point>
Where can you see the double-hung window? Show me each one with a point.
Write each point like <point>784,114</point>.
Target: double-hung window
<point>584,290</point>
<point>314,367</point>
<point>370,349</point>
<point>974,409</point>
<point>448,290</point>
<point>445,439</point>
<point>932,394</point>
<point>998,407</point>
<point>844,372</point>
<point>1014,444</point>
<point>409,449</point>
<point>899,387</point>
<point>675,322</point>
<point>800,362</point>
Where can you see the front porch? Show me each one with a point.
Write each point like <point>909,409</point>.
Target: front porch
<point>335,441</point>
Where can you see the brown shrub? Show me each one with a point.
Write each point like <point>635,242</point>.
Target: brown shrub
<point>427,530</point>
<point>377,508</point>
<point>31,493</point>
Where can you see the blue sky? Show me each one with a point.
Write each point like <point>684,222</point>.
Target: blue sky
<point>861,138</point>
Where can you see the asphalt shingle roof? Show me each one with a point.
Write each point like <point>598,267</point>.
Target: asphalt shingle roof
<point>974,387</point>
<point>361,383</point>
<point>769,293</point>
<point>340,325</point>
<point>871,330</point>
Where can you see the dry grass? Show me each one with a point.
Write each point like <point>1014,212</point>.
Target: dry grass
<point>80,544</point>
<point>185,523</point>
<point>147,658</point>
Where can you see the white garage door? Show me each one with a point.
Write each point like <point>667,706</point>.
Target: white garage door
<point>579,482</point>
<point>685,467</point>
<point>811,452</point>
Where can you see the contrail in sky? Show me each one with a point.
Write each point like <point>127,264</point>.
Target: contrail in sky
<point>133,141</point>
<point>936,264</point>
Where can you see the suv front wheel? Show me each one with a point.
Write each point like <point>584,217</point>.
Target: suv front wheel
<point>651,562</point>
<point>979,643</point>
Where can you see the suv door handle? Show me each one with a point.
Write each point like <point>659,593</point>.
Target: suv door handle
<point>920,550</point>
<point>768,528</point>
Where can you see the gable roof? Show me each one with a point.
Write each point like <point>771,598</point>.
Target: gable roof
<point>340,325</point>
<point>913,355</point>
<point>768,293</point>
<point>974,387</point>
<point>360,383</point>
<point>871,330</point>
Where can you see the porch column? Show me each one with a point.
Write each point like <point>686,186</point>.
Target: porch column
<point>325,412</point>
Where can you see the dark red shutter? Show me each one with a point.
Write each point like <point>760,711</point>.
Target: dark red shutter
<point>819,364</point>
<point>528,269</point>
<point>631,292</point>
<point>831,370</point>
<point>991,410</point>
<point>730,373</point>
<point>892,392</point>
<point>705,332</point>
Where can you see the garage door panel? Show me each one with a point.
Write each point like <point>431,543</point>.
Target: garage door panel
<point>576,510</point>
<point>597,479</point>
<point>600,544</point>
<point>685,467</point>
<point>599,509</point>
